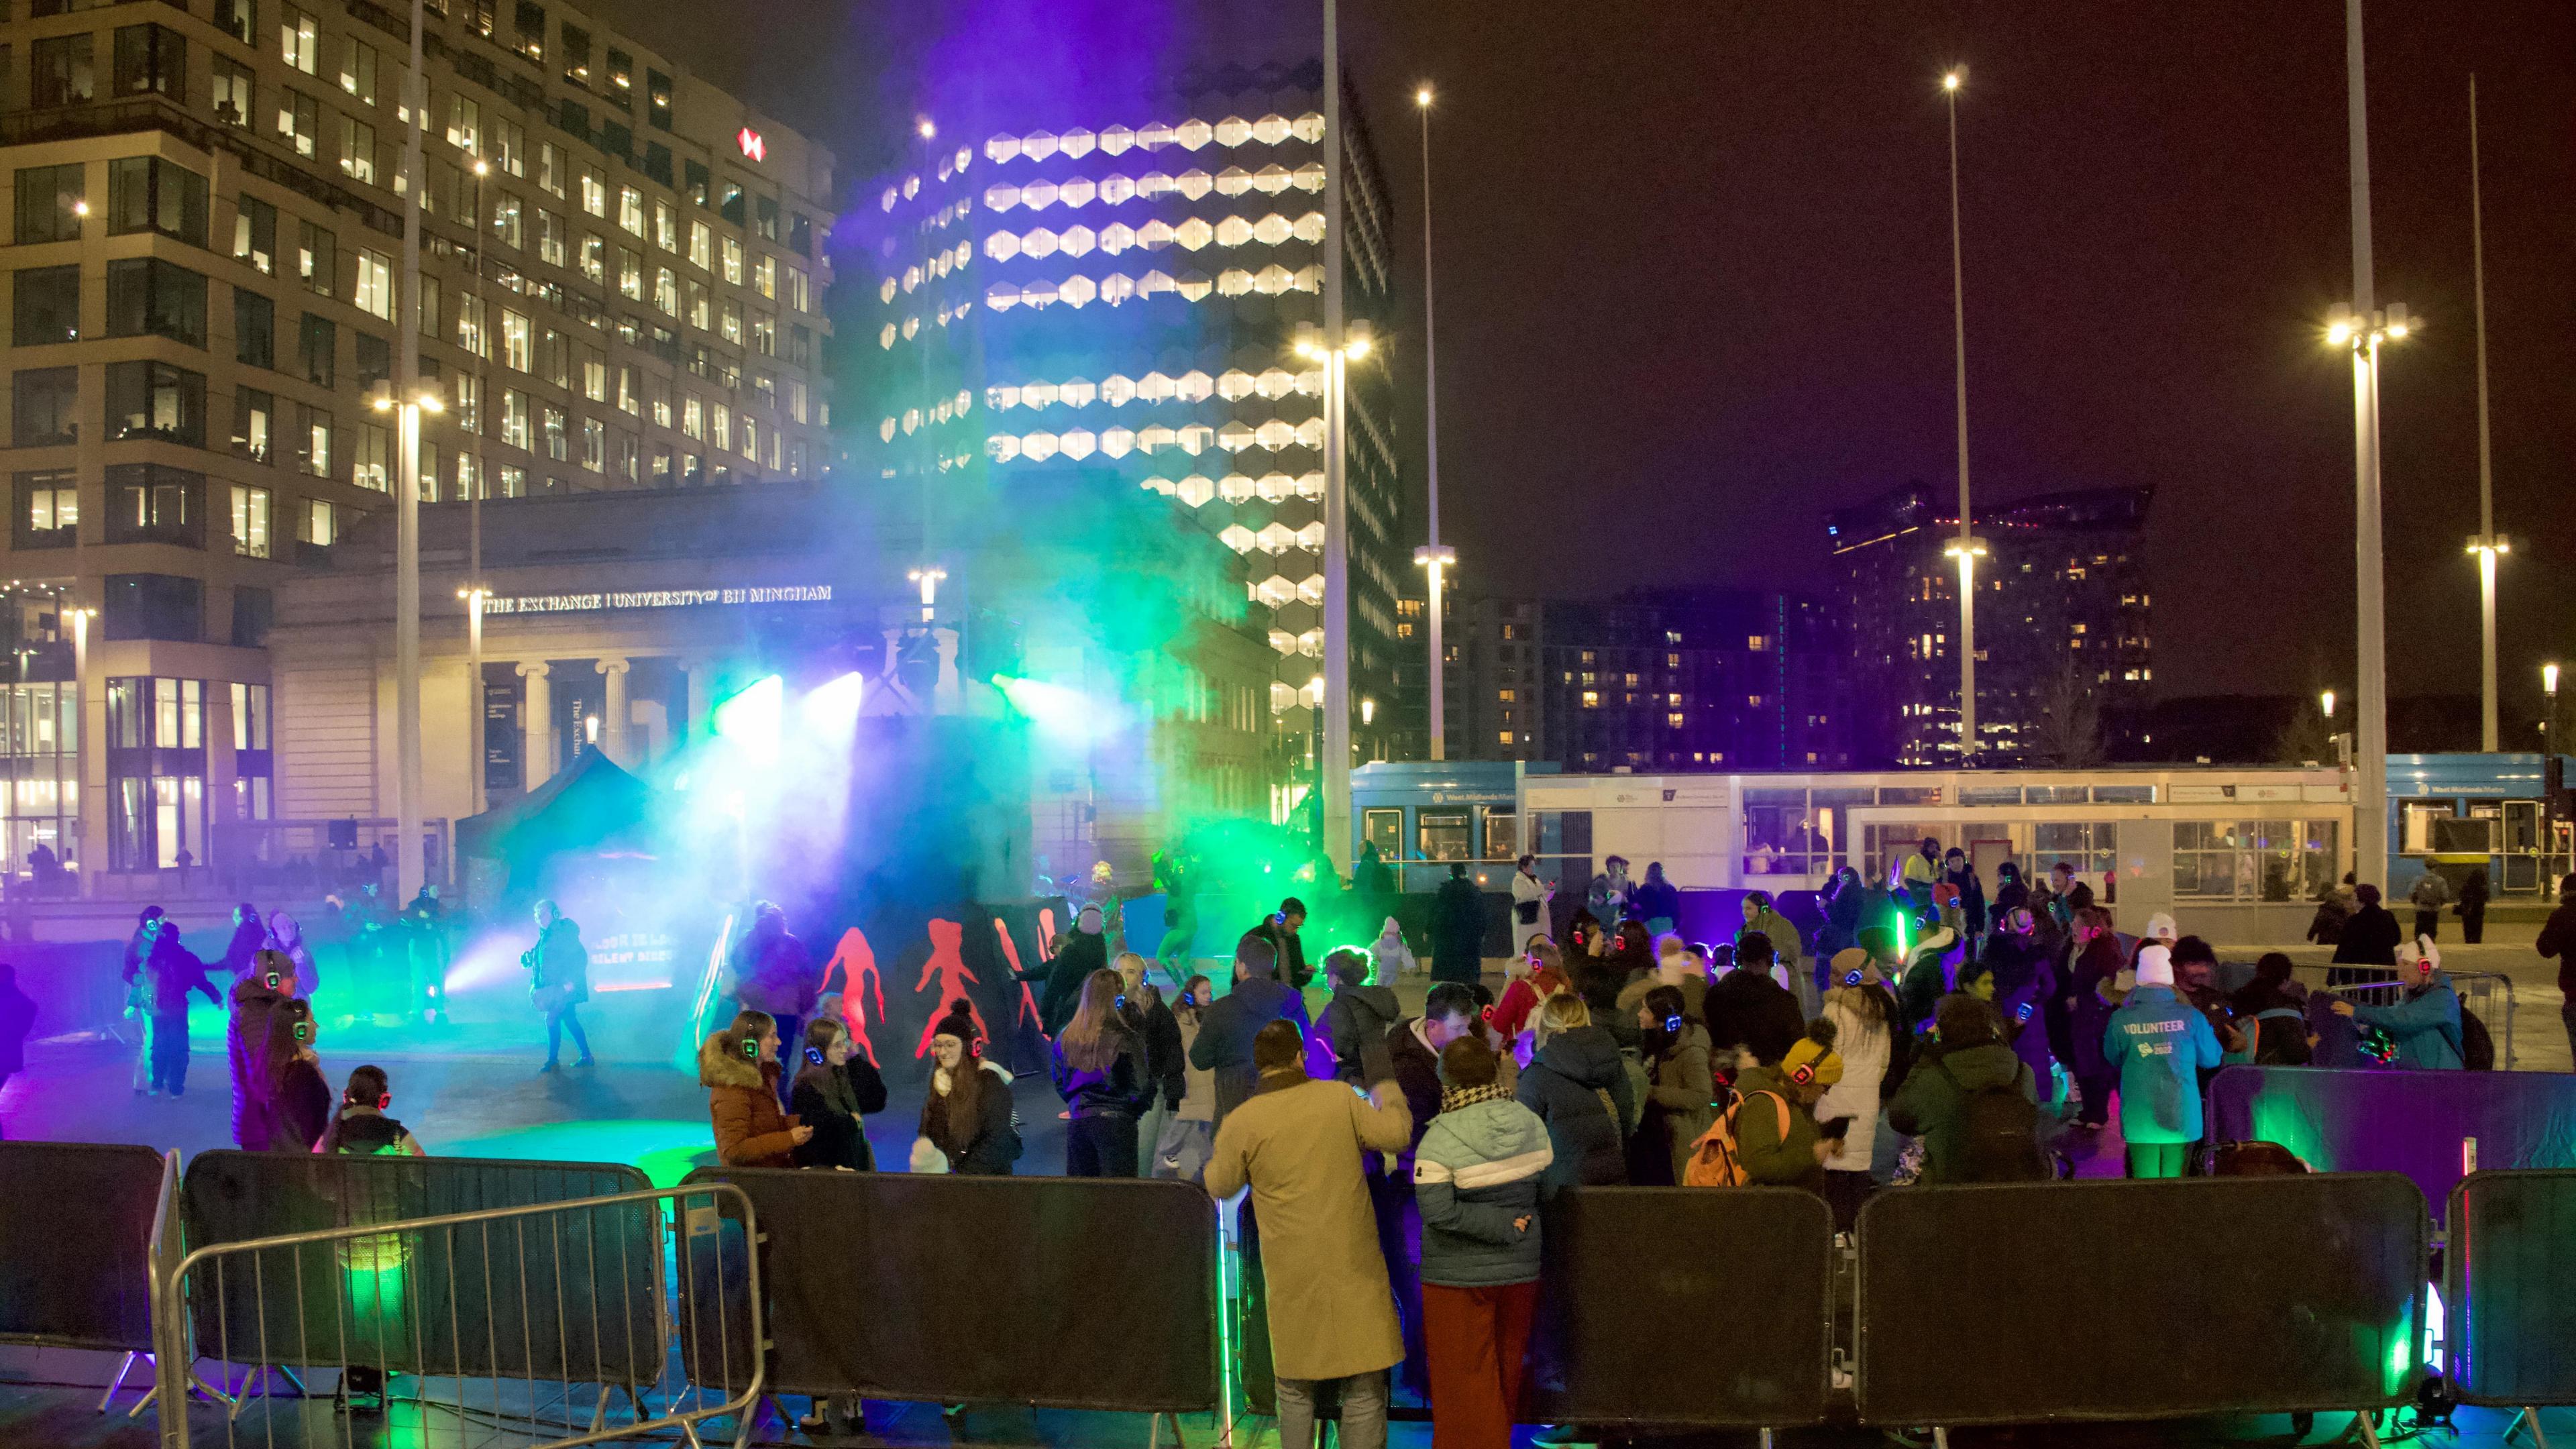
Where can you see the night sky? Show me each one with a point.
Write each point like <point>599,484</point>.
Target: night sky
<point>1694,279</point>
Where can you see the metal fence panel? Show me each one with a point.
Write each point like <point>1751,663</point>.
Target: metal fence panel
<point>936,1288</point>
<point>524,1320</point>
<point>2112,1300</point>
<point>2509,1287</point>
<point>2431,1126</point>
<point>75,1231</point>
<point>1635,1274</point>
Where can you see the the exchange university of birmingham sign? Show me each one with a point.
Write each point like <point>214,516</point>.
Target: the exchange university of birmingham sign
<point>657,599</point>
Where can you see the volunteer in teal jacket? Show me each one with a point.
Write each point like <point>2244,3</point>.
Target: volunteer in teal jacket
<point>2160,1043</point>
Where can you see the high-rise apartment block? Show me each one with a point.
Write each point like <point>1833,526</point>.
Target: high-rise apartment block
<point>2063,671</point>
<point>1661,680</point>
<point>1101,300</point>
<point>622,287</point>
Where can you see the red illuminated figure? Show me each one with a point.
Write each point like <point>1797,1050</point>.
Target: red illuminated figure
<point>854,967</point>
<point>1028,1009</point>
<point>948,964</point>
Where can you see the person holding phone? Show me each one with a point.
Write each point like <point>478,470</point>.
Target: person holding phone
<point>1864,1018</point>
<point>739,1068</point>
<point>1181,1144</point>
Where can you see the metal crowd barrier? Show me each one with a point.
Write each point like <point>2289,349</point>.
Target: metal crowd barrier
<point>2510,1284</point>
<point>495,1320</point>
<point>2490,995</point>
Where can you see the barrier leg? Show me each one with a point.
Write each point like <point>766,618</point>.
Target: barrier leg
<point>599,1411</point>
<point>127,1367</point>
<point>1941,1438</point>
<point>2366,1425</point>
<point>1766,1438</point>
<point>2522,1417</point>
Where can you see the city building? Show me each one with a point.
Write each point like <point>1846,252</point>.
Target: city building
<point>620,624</point>
<point>622,288</point>
<point>1099,300</point>
<point>2063,671</point>
<point>1669,679</point>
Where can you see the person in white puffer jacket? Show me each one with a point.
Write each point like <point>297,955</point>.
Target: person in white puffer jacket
<point>1864,1018</point>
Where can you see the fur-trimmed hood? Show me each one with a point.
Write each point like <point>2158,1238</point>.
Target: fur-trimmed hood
<point>720,1068</point>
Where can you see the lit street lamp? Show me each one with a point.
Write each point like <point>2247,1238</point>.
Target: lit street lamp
<point>1333,755</point>
<point>1434,556</point>
<point>2362,326</point>
<point>1969,547</point>
<point>2488,543</point>
<point>2326,700</point>
<point>2549,716</point>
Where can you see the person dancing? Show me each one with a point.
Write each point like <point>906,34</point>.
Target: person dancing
<point>559,981</point>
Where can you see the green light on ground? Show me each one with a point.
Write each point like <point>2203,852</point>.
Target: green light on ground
<point>664,1150</point>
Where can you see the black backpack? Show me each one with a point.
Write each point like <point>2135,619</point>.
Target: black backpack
<point>2000,1136</point>
<point>2477,1049</point>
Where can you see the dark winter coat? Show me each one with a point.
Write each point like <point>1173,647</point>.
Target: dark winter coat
<point>773,972</point>
<point>1354,1024</point>
<point>17,1017</point>
<point>1079,954</point>
<point>241,951</point>
<point>1658,901</point>
<point>1417,1071</point>
<point>1118,1088</point>
<point>1934,1104</point>
<point>175,971</point>
<point>1749,1009</point>
<point>1166,1068</point>
<point>2558,938</point>
<point>1223,1046</point>
<point>2369,939</point>
<point>986,1146</point>
<point>832,1100</point>
<point>559,959</point>
<point>742,1104</point>
<point>297,1106</point>
<point>1972,898</point>
<point>1566,1085</point>
<point>245,1046</point>
<point>2090,970</point>
<point>1458,932</point>
<point>1288,951</point>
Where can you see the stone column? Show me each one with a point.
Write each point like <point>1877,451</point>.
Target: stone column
<point>612,734</point>
<point>702,696</point>
<point>536,724</point>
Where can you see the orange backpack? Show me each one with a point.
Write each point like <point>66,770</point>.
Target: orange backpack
<point>1715,1158</point>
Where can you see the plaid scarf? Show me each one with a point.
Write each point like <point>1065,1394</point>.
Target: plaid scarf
<point>1453,1098</point>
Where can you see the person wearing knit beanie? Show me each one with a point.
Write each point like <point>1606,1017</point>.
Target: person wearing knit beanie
<point>2160,1044</point>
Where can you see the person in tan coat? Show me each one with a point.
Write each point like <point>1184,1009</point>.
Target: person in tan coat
<point>1297,1143</point>
<point>739,1068</point>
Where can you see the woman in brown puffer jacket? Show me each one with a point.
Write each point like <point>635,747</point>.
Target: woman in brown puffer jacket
<point>739,1068</point>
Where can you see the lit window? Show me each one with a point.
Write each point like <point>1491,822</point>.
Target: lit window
<point>1591,699</point>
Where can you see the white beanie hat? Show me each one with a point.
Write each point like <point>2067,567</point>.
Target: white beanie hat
<point>2155,966</point>
<point>2420,953</point>
<point>2161,926</point>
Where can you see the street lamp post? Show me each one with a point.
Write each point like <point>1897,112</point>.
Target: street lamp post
<point>1968,547</point>
<point>2487,545</point>
<point>1433,556</point>
<point>1333,758</point>
<point>2364,327</point>
<point>409,859</point>
<point>474,593</point>
<point>2549,715</point>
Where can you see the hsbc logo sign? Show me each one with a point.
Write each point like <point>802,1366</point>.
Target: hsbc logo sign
<point>752,145</point>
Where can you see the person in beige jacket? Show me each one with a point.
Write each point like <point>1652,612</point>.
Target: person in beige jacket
<point>1297,1143</point>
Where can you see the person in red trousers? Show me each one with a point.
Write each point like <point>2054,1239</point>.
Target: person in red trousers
<point>1476,1178</point>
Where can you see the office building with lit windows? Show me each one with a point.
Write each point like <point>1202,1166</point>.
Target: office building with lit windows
<point>622,288</point>
<point>1102,300</point>
<point>2063,659</point>
<point>1662,680</point>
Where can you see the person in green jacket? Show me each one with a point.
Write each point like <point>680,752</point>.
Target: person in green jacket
<point>1795,1156</point>
<point>1788,947</point>
<point>1967,1057</point>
